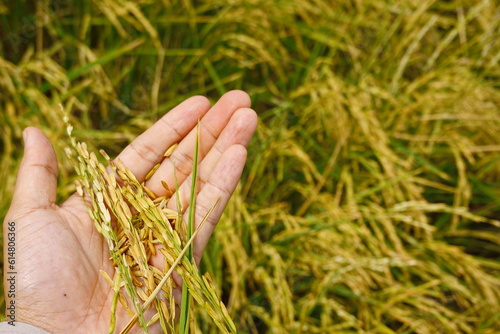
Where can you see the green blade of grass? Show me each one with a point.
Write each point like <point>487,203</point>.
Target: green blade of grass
<point>110,56</point>
<point>184,317</point>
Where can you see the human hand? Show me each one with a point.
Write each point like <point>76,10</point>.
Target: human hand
<point>58,250</point>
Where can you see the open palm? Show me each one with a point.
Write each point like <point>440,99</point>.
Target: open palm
<point>58,251</point>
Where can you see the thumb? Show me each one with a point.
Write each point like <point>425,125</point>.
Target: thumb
<point>37,177</point>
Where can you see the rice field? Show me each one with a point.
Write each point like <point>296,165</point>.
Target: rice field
<point>370,202</point>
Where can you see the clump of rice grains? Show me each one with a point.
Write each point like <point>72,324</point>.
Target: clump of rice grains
<point>132,221</point>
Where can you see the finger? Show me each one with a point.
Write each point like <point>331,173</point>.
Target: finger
<point>239,131</point>
<point>37,177</point>
<point>211,127</point>
<point>220,184</point>
<point>147,150</point>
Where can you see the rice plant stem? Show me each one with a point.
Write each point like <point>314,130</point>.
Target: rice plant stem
<point>185,303</point>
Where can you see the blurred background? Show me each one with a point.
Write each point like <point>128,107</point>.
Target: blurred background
<point>371,198</point>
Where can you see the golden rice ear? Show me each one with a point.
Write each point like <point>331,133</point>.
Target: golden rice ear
<point>133,220</point>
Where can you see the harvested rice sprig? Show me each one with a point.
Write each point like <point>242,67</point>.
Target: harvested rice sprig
<point>133,221</point>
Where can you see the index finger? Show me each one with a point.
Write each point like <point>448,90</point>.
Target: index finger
<point>147,150</point>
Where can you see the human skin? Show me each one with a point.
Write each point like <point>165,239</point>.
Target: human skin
<point>58,250</point>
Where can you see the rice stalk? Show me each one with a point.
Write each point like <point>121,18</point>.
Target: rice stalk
<point>186,300</point>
